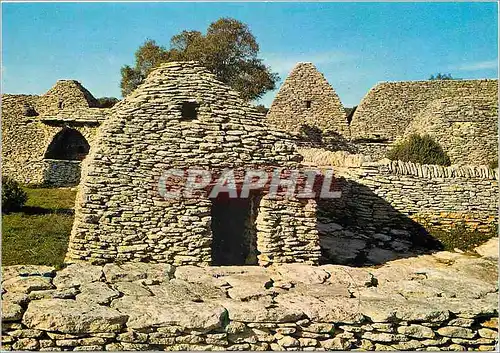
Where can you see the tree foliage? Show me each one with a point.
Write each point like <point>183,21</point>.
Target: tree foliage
<point>419,149</point>
<point>107,102</point>
<point>261,108</point>
<point>13,196</point>
<point>228,49</point>
<point>440,76</point>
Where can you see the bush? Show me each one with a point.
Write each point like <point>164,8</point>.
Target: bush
<point>493,164</point>
<point>13,196</point>
<point>419,149</point>
<point>461,237</point>
<point>311,134</point>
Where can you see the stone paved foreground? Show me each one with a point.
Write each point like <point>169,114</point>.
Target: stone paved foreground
<point>444,301</point>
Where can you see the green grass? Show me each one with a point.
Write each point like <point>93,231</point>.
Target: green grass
<point>39,233</point>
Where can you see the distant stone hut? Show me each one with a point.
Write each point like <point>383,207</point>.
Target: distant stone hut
<point>306,101</point>
<point>182,117</point>
<point>466,128</point>
<point>389,108</point>
<point>45,138</point>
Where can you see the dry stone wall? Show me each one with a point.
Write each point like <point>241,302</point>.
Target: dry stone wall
<point>432,193</point>
<point>375,149</point>
<point>444,301</point>
<point>30,123</point>
<point>120,215</point>
<point>306,98</point>
<point>388,208</point>
<point>60,172</point>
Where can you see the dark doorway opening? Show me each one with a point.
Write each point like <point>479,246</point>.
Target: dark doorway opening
<point>68,144</point>
<point>234,234</point>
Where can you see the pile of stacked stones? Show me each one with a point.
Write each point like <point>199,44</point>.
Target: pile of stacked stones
<point>444,301</point>
<point>61,172</point>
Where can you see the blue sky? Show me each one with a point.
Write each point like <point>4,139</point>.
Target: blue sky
<point>355,45</point>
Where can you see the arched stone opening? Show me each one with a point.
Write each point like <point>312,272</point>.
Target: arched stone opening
<point>68,144</point>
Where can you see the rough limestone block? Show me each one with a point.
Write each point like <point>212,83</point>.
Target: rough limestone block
<point>71,316</point>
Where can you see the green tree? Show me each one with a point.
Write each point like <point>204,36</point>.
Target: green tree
<point>228,49</point>
<point>147,57</point>
<point>440,76</point>
<point>107,102</point>
<point>261,108</point>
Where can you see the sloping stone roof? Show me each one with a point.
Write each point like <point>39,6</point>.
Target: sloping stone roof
<point>389,107</point>
<point>68,95</point>
<point>306,98</point>
<point>466,128</point>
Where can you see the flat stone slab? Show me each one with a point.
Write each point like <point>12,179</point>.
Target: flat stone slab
<point>77,274</point>
<point>321,291</point>
<point>15,297</point>
<point>72,316</point>
<point>351,276</point>
<point>197,274</point>
<point>261,310</point>
<point>27,270</point>
<point>330,309</point>
<point>11,311</point>
<point>97,292</point>
<point>179,291</point>
<point>133,271</point>
<point>155,312</point>
<point>301,273</point>
<point>488,249</point>
<point>27,284</point>
<point>132,288</point>
<point>249,286</point>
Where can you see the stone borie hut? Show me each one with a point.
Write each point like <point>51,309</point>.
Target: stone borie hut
<point>45,138</point>
<point>307,101</point>
<point>181,116</point>
<point>461,115</point>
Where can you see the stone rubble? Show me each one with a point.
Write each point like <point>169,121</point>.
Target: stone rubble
<point>139,306</point>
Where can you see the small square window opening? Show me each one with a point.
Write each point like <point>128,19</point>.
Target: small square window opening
<point>189,110</point>
<point>308,104</point>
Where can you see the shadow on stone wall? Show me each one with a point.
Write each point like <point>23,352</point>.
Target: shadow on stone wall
<point>362,228</point>
<point>61,173</point>
<point>313,137</point>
